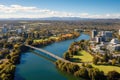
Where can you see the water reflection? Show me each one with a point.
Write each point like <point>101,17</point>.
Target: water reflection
<point>43,56</point>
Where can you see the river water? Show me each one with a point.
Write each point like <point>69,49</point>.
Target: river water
<point>38,67</point>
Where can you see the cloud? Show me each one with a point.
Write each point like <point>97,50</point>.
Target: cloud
<point>19,11</point>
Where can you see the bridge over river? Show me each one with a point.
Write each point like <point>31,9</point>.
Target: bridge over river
<point>49,53</point>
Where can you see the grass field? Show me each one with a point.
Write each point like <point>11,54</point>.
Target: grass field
<point>106,68</point>
<point>86,57</point>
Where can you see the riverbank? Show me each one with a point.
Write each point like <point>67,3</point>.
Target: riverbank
<point>52,39</point>
<point>8,64</point>
<point>85,63</point>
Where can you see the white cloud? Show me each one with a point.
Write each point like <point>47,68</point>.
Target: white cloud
<point>18,11</point>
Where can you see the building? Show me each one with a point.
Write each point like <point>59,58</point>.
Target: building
<point>114,45</point>
<point>4,29</point>
<point>106,36</point>
<point>119,32</point>
<point>98,39</point>
<point>114,41</point>
<point>24,27</point>
<point>99,48</point>
<point>108,33</point>
<point>94,33</point>
<point>19,30</point>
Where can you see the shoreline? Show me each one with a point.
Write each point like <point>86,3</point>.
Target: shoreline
<point>67,55</point>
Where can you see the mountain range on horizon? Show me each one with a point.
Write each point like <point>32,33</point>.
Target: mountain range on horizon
<point>59,18</point>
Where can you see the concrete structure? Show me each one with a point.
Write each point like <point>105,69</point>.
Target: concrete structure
<point>48,53</point>
<point>119,32</point>
<point>107,35</point>
<point>4,29</point>
<point>24,27</point>
<point>114,41</point>
<point>19,30</point>
<point>104,36</point>
<point>98,39</point>
<point>94,33</point>
<point>114,45</point>
<point>51,54</point>
<point>99,48</point>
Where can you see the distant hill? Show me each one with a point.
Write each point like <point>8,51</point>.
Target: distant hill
<point>48,18</point>
<point>57,18</point>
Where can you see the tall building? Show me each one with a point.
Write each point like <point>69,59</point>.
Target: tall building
<point>98,39</point>
<point>4,29</point>
<point>94,33</point>
<point>108,33</point>
<point>19,30</point>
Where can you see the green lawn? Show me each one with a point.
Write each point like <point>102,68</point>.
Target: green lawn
<point>106,69</point>
<point>86,57</point>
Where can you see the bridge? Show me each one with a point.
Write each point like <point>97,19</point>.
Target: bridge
<point>49,53</point>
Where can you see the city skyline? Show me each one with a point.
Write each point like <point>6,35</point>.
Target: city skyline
<point>61,8</point>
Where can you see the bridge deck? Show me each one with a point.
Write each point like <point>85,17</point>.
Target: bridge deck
<point>49,53</point>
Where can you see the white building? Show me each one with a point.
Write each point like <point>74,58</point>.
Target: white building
<point>114,45</point>
<point>99,48</point>
<point>119,32</point>
<point>114,41</point>
<point>24,27</point>
<point>98,39</point>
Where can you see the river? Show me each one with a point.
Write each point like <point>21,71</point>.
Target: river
<point>37,67</point>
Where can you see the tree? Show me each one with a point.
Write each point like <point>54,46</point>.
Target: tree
<point>106,57</point>
<point>113,61</point>
<point>66,56</point>
<point>83,73</point>
<point>96,74</point>
<point>8,45</point>
<point>113,75</point>
<point>29,41</point>
<point>118,59</point>
<point>95,60</point>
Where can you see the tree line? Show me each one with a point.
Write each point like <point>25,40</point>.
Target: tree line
<point>9,61</point>
<point>86,71</point>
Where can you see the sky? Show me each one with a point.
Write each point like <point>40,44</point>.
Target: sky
<point>59,8</point>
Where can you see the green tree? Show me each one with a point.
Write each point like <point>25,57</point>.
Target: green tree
<point>106,57</point>
<point>113,75</point>
<point>113,61</point>
<point>66,56</point>
<point>29,41</point>
<point>95,60</point>
<point>95,74</point>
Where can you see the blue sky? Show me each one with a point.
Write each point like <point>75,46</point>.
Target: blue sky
<point>60,8</point>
